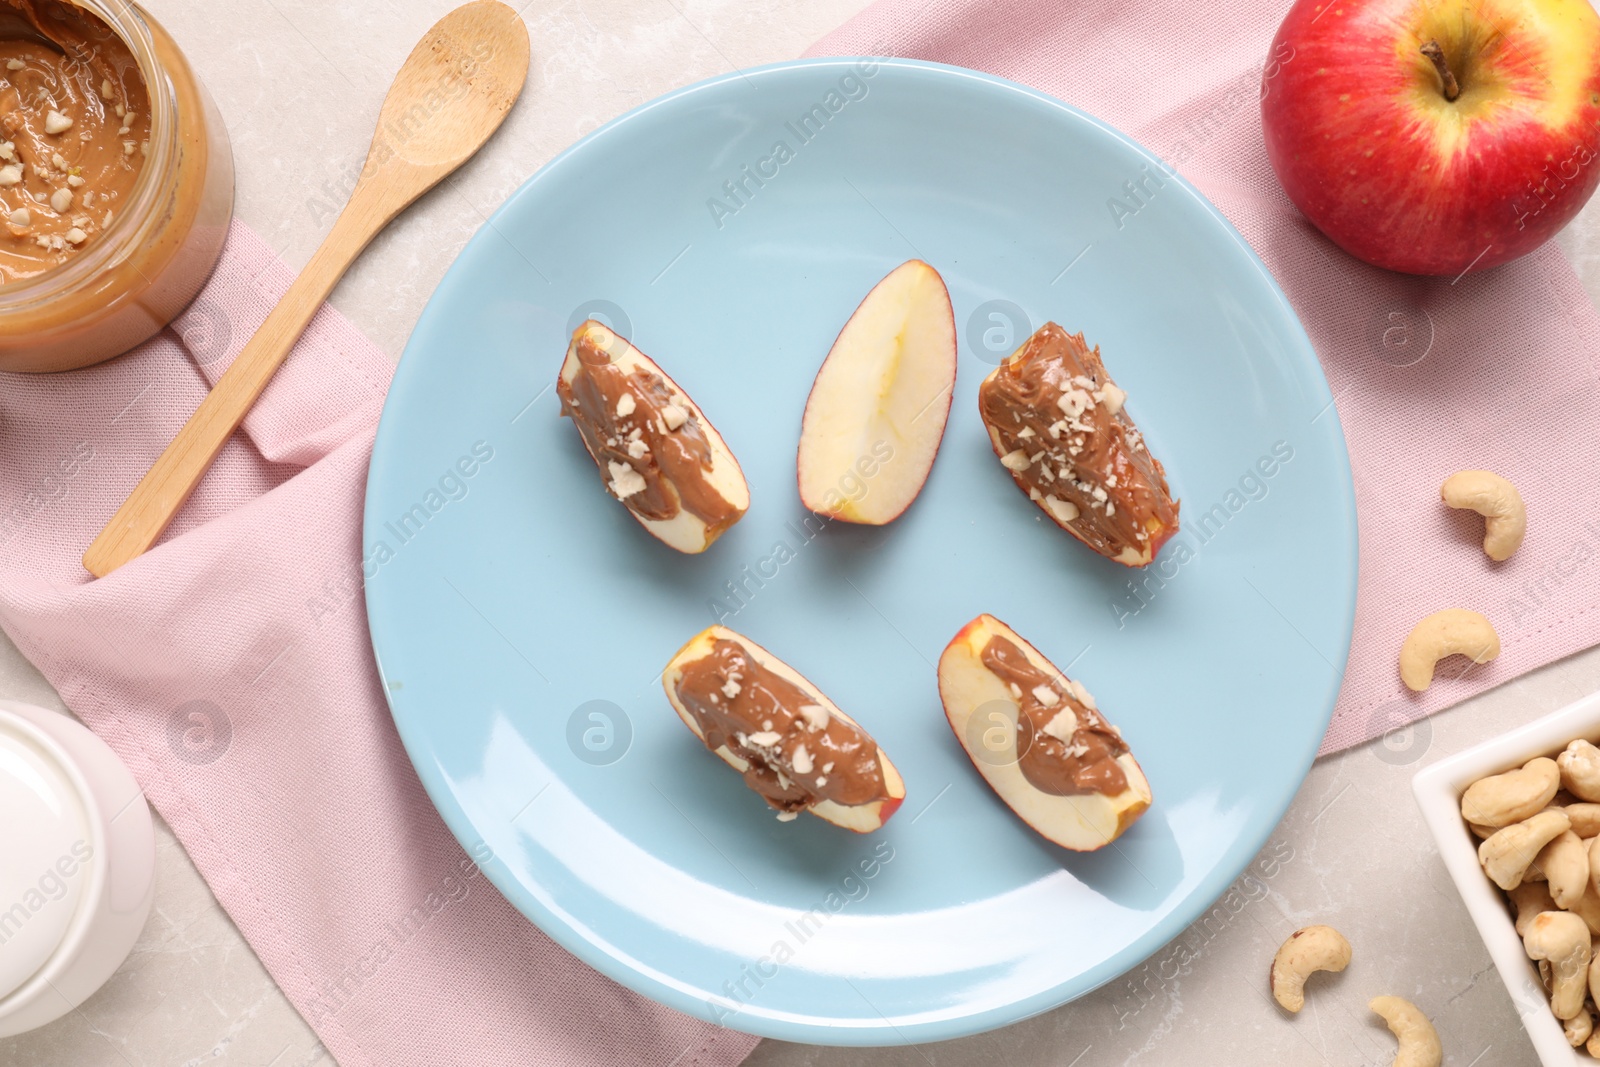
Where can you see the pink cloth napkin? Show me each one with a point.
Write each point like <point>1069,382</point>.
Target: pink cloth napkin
<point>1496,370</point>
<point>230,668</point>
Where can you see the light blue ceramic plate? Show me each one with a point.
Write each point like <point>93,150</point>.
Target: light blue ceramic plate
<point>521,618</point>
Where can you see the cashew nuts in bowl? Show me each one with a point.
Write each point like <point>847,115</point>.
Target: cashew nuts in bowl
<point>1419,1041</point>
<point>1315,948</point>
<point>1507,855</point>
<point>1579,764</point>
<point>1565,863</point>
<point>1449,632</point>
<point>1505,519</point>
<point>1502,799</point>
<point>1563,939</point>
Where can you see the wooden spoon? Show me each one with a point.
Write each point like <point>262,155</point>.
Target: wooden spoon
<point>450,96</point>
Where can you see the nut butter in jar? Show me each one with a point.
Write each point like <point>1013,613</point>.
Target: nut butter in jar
<point>116,182</point>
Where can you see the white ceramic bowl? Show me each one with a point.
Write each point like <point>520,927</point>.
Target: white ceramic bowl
<point>77,873</point>
<point>1438,790</point>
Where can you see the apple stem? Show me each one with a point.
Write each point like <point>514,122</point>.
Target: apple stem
<point>1452,88</point>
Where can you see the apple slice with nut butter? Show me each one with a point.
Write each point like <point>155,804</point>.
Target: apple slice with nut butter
<point>790,742</point>
<point>1058,423</point>
<point>657,452</point>
<point>1038,739</point>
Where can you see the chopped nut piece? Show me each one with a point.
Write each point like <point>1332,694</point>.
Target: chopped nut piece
<point>57,162</point>
<point>107,220</point>
<point>788,816</point>
<point>21,217</point>
<point>816,717</point>
<point>8,150</point>
<point>1114,398</point>
<point>1064,510</point>
<point>128,147</point>
<point>802,759</point>
<point>625,405</point>
<point>1063,725</point>
<point>1075,402</point>
<point>10,175</point>
<point>674,416</point>
<point>765,739</point>
<point>1016,460</point>
<point>625,481</point>
<point>56,122</point>
<point>1046,696</point>
<point>61,199</point>
<point>105,88</point>
<point>76,236</point>
<point>730,688</point>
<point>15,64</point>
<point>637,449</point>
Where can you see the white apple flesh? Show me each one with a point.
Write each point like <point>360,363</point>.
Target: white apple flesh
<point>862,818</point>
<point>878,408</point>
<point>1081,822</point>
<point>684,531</point>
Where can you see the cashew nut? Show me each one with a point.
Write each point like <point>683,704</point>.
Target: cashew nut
<point>1563,939</point>
<point>1502,799</point>
<point>1580,770</point>
<point>1497,500</point>
<point>1419,1041</point>
<point>1587,908</point>
<point>1578,1028</point>
<point>1593,1047</point>
<point>1585,819</point>
<point>1530,899</point>
<point>1506,855</point>
<point>1565,863</point>
<point>1315,948</point>
<point>1445,633</point>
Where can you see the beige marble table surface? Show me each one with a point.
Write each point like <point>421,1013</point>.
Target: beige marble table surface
<point>299,83</point>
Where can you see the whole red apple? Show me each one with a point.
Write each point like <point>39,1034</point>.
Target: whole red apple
<point>1435,136</point>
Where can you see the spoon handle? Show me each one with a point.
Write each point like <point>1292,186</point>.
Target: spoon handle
<point>146,512</point>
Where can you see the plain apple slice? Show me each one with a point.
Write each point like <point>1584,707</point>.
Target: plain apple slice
<point>878,407</point>
<point>1107,794</point>
<point>798,738</point>
<point>657,452</point>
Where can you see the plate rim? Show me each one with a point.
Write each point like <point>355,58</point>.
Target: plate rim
<point>850,1032</point>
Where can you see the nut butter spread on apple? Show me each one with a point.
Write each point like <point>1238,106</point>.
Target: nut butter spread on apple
<point>1056,420</point>
<point>647,439</point>
<point>799,753</point>
<point>76,122</point>
<point>1065,746</point>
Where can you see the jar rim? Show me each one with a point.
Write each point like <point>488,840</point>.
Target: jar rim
<point>137,217</point>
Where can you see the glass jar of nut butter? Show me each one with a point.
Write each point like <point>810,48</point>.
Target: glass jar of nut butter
<point>116,182</point>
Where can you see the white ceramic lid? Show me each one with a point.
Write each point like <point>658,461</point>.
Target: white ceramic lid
<point>43,867</point>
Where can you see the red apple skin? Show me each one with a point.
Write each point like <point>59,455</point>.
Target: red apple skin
<point>1365,143</point>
